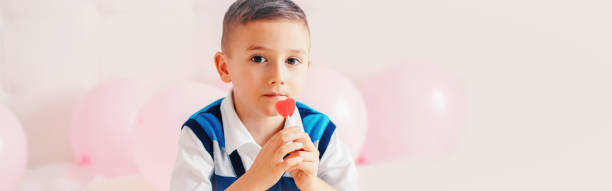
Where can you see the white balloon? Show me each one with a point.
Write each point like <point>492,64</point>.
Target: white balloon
<point>56,177</point>
<point>336,96</point>
<point>131,183</point>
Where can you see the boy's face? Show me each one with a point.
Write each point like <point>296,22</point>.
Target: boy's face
<point>267,61</point>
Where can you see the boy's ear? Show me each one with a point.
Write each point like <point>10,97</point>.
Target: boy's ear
<point>221,65</point>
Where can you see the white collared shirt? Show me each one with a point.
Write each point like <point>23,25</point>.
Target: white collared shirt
<point>194,166</point>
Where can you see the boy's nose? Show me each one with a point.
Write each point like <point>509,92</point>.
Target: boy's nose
<point>276,79</point>
<point>276,75</point>
<point>277,82</point>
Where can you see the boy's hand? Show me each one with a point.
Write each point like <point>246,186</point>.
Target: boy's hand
<point>269,164</point>
<point>305,173</point>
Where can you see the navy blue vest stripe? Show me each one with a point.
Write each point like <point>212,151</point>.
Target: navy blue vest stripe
<point>222,182</point>
<point>210,119</point>
<point>237,163</point>
<point>201,134</point>
<point>216,111</point>
<point>213,127</point>
<point>324,141</point>
<point>305,110</point>
<point>285,183</point>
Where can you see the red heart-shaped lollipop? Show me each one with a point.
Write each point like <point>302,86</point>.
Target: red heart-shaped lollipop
<point>286,107</point>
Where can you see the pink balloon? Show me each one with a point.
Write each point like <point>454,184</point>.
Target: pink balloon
<point>415,111</point>
<point>155,138</point>
<point>101,125</point>
<point>13,150</point>
<point>336,96</point>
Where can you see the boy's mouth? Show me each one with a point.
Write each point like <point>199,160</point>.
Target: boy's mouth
<point>276,96</point>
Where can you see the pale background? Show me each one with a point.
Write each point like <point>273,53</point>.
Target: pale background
<point>537,74</point>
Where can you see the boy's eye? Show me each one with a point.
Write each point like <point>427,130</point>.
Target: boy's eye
<point>293,61</point>
<point>258,59</point>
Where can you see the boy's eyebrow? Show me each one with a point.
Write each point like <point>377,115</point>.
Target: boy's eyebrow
<point>257,47</point>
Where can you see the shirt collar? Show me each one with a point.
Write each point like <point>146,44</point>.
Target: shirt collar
<point>235,133</point>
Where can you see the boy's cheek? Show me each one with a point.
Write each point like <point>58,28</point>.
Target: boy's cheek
<point>297,89</point>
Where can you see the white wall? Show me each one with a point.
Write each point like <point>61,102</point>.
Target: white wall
<point>537,74</point>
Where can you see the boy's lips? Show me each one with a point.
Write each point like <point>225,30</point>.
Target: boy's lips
<point>276,95</point>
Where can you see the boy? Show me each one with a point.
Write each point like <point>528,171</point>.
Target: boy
<point>240,142</point>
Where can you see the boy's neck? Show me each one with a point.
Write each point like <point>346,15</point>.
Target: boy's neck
<point>260,127</point>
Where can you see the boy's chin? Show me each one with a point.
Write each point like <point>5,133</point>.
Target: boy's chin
<point>270,111</point>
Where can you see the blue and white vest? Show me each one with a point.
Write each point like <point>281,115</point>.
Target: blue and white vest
<point>207,125</point>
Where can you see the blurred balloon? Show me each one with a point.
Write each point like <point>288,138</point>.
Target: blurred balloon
<point>101,125</point>
<point>333,94</point>
<point>155,138</point>
<point>58,52</point>
<point>415,111</point>
<point>127,183</point>
<point>56,177</point>
<point>13,150</point>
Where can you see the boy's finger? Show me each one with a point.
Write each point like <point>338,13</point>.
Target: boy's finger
<point>289,136</point>
<point>307,156</point>
<point>299,166</point>
<point>283,134</point>
<point>287,148</point>
<point>290,162</point>
<point>292,128</point>
<point>308,145</point>
<point>304,166</point>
